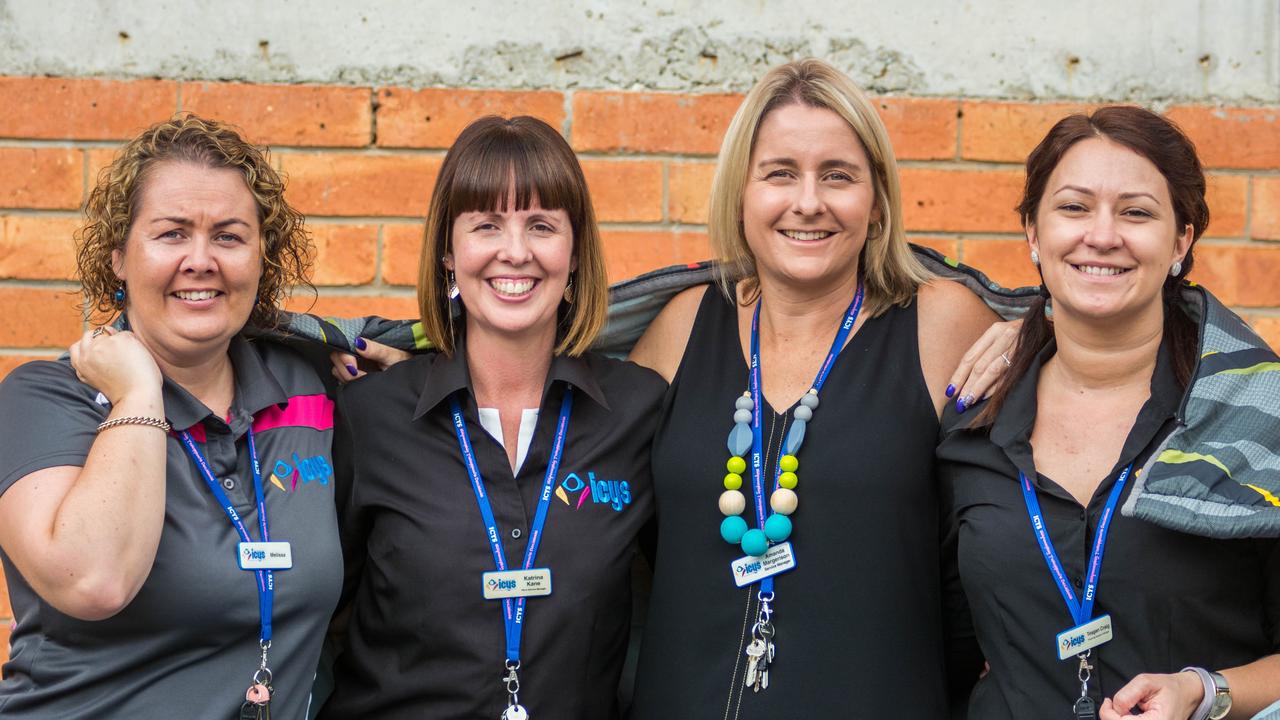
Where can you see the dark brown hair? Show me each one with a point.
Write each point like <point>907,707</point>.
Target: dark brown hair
<point>1157,139</point>
<point>491,159</point>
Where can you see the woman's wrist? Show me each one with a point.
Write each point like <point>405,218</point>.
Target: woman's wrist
<point>1199,692</point>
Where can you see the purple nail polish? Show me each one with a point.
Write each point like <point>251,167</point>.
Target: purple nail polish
<point>361,344</point>
<point>951,390</point>
<point>351,369</point>
<point>960,405</point>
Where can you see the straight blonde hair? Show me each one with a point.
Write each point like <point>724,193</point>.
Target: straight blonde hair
<point>890,271</point>
<point>492,160</point>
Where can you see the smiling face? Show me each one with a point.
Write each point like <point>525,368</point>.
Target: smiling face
<point>191,261</point>
<point>809,198</point>
<point>1106,234</point>
<point>511,267</point>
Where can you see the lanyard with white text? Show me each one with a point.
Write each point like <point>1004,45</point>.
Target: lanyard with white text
<point>757,436</point>
<point>513,609</point>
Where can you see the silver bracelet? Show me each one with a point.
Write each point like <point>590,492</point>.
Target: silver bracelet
<point>1202,710</point>
<point>136,420</point>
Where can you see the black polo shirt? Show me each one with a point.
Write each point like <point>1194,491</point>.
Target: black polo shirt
<point>1175,599</point>
<point>422,641</point>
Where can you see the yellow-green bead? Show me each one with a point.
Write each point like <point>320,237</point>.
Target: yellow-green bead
<point>732,481</point>
<point>737,465</point>
<point>789,463</point>
<point>788,480</point>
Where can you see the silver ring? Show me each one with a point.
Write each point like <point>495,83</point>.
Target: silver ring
<point>1005,358</point>
<point>98,331</point>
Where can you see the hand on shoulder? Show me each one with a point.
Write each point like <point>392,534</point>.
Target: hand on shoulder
<point>951,320</point>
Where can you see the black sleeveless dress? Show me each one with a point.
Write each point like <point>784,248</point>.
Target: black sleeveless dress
<point>859,620</point>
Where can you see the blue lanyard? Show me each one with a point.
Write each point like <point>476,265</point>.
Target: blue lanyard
<point>513,611</point>
<point>266,578</point>
<point>1081,610</point>
<point>757,436</point>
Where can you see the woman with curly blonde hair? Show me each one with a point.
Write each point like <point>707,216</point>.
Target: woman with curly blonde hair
<point>138,475</point>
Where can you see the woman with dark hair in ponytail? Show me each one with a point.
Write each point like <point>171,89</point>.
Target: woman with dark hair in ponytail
<point>1172,624</point>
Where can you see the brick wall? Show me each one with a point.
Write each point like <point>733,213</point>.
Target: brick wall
<point>361,162</point>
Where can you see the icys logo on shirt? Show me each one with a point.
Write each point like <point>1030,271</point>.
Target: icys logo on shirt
<point>312,469</point>
<point>575,492</point>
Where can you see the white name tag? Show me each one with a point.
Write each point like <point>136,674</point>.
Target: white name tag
<point>516,583</point>
<point>265,556</point>
<point>751,568</point>
<point>1084,637</point>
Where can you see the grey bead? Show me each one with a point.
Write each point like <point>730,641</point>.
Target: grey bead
<point>803,413</point>
<point>742,416</point>
<point>744,403</point>
<point>740,439</point>
<point>795,437</point>
<point>809,400</point>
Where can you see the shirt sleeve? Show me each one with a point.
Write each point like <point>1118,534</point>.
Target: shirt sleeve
<point>48,418</point>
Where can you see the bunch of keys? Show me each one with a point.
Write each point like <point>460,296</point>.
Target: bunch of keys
<point>1085,708</point>
<point>257,699</point>
<point>759,656</point>
<point>514,711</point>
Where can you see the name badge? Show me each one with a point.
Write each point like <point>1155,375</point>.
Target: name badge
<point>500,585</point>
<point>752,568</point>
<point>265,556</point>
<point>1082,638</point>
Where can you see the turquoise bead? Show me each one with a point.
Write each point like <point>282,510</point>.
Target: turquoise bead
<point>754,542</point>
<point>740,439</point>
<point>795,437</point>
<point>777,527</point>
<point>732,529</point>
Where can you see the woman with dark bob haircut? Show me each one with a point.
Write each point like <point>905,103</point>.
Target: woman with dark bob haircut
<point>498,486</point>
<point>1085,600</point>
<point>138,474</point>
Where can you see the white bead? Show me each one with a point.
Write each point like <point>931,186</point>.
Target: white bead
<point>732,502</point>
<point>783,501</point>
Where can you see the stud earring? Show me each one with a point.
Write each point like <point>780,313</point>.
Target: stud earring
<point>454,292</point>
<point>118,296</point>
<point>1176,269</point>
<point>1035,258</point>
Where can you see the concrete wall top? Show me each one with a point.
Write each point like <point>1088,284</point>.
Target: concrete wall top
<point>1142,50</point>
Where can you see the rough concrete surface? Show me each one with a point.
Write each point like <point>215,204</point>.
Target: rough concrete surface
<point>1149,50</point>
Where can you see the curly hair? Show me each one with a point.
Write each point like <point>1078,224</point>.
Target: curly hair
<point>287,252</point>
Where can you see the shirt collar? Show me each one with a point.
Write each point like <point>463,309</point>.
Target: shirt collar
<point>255,389</point>
<point>1012,427</point>
<point>446,374</point>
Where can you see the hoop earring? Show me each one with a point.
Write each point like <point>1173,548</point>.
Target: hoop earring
<point>568,290</point>
<point>879,229</point>
<point>453,292</point>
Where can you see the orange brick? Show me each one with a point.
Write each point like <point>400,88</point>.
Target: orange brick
<point>1232,137</point>
<point>82,109</point>
<point>401,246</point>
<point>392,307</point>
<point>1008,262</point>
<point>1007,131</point>
<point>47,178</point>
<point>947,246</point>
<point>961,200</point>
<point>1266,208</point>
<point>628,253</point>
<point>1269,328</point>
<point>625,191</point>
<point>99,158</point>
<point>689,191</point>
<point>7,364</point>
<point>433,118</point>
<point>356,184</point>
<point>920,128</point>
<point>37,248</point>
<point>1243,275</point>
<point>651,122</point>
<point>1227,196</point>
<point>49,318</point>
<point>287,114</point>
<point>345,254</point>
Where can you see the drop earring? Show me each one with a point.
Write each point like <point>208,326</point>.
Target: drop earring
<point>568,290</point>
<point>454,292</point>
<point>117,297</point>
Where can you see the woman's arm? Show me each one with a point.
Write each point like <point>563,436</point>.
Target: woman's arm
<point>951,320</point>
<point>85,537</point>
<point>1176,696</point>
<point>661,348</point>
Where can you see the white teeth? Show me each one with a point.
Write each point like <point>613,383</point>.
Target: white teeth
<point>1101,271</point>
<point>197,294</point>
<point>815,235</point>
<point>511,287</point>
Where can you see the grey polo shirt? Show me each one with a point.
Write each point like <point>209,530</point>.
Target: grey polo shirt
<point>187,645</point>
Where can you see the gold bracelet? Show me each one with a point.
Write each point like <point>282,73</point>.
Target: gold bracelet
<point>136,420</point>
